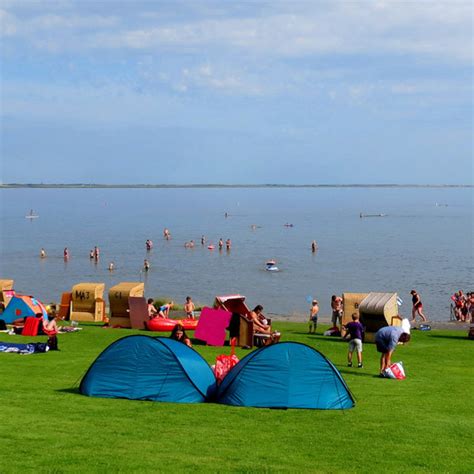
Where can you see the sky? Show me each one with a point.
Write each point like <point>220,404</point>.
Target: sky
<point>180,92</point>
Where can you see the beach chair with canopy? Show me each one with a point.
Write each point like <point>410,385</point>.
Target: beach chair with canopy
<point>378,310</point>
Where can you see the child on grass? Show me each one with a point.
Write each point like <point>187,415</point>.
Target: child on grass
<point>355,333</point>
<point>313,317</point>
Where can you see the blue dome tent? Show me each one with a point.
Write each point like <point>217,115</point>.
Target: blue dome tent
<point>285,375</point>
<point>150,368</point>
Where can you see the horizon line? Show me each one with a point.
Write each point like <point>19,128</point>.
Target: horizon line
<point>223,185</point>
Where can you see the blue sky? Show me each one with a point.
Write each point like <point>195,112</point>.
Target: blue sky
<point>236,92</point>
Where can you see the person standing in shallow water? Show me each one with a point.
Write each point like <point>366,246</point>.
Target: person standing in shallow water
<point>146,265</point>
<point>314,246</point>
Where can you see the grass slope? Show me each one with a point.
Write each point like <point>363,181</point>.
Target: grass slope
<point>422,424</point>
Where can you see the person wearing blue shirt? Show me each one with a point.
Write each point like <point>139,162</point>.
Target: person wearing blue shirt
<point>386,340</point>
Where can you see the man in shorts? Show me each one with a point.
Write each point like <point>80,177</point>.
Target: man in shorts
<point>355,334</point>
<point>313,317</point>
<point>386,340</point>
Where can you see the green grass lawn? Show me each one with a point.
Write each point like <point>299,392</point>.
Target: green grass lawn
<point>424,423</point>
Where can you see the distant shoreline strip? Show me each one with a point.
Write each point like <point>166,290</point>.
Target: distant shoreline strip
<point>217,186</point>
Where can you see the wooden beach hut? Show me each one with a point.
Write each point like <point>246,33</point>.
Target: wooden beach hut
<point>119,304</point>
<point>378,310</point>
<point>87,302</point>
<point>351,303</point>
<point>6,291</point>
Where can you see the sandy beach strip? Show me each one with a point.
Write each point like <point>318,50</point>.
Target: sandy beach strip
<point>326,319</point>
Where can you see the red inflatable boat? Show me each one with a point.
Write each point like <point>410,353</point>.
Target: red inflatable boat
<point>167,325</point>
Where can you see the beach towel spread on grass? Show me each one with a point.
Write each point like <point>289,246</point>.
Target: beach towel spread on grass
<point>150,368</point>
<point>285,375</point>
<point>24,349</point>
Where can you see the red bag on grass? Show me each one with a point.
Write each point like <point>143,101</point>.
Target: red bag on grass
<point>395,371</point>
<point>225,362</point>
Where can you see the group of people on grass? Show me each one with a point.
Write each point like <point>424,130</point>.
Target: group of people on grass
<point>261,324</point>
<point>463,306</point>
<point>386,338</point>
<point>338,309</point>
<point>386,341</point>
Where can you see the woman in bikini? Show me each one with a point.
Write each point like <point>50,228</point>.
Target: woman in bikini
<point>417,306</point>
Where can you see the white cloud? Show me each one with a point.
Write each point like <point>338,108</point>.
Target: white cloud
<point>228,81</point>
<point>56,22</point>
<point>8,24</point>
<point>435,28</point>
<point>58,25</point>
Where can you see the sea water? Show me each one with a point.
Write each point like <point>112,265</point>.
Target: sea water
<point>423,241</point>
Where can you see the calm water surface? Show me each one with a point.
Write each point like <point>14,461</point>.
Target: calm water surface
<point>417,245</point>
